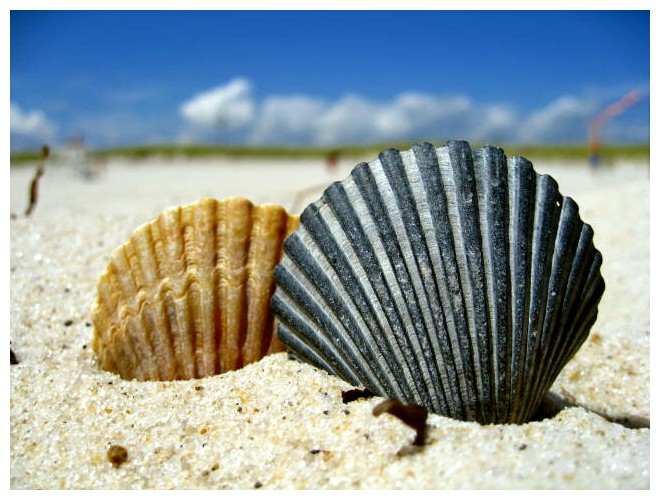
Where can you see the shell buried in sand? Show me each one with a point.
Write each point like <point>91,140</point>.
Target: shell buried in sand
<point>457,279</point>
<point>189,294</point>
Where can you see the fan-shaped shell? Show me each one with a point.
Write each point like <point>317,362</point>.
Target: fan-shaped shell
<point>189,294</point>
<point>456,279</point>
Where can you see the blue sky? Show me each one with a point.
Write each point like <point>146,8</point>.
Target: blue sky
<point>128,77</point>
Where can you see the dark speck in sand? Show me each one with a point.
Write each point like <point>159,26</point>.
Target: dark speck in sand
<point>117,455</point>
<point>13,359</point>
<point>68,322</point>
<point>354,394</point>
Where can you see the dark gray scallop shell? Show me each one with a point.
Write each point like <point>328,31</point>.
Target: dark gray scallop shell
<point>449,277</point>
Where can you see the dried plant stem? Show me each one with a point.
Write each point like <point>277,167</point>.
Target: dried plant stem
<point>412,415</point>
<point>34,185</point>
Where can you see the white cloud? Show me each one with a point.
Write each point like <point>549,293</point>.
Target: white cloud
<point>354,119</point>
<point>413,116</point>
<point>351,119</point>
<point>563,120</point>
<point>494,123</point>
<point>32,124</point>
<point>303,119</point>
<point>424,114</point>
<point>288,120</point>
<point>229,106</point>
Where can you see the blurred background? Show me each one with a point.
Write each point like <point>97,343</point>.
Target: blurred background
<point>282,82</point>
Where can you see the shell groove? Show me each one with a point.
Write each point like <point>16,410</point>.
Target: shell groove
<point>189,294</point>
<point>456,279</point>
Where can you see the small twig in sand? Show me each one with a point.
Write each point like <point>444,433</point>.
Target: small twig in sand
<point>412,415</point>
<point>34,185</point>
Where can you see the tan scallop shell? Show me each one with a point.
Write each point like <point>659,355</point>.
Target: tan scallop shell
<point>189,294</point>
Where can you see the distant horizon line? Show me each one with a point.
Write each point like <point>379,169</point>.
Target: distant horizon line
<point>570,149</point>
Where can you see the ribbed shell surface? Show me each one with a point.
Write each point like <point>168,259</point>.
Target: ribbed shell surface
<point>449,277</point>
<point>189,294</point>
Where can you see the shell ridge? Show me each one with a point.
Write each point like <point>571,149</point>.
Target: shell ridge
<point>158,231</point>
<point>178,321</point>
<point>454,270</point>
<point>132,283</point>
<point>385,247</point>
<point>107,300</point>
<point>370,285</point>
<point>579,328</point>
<point>522,188</point>
<point>143,242</point>
<point>291,224</point>
<point>369,347</point>
<point>205,242</point>
<point>309,322</point>
<point>121,297</point>
<point>261,257</point>
<point>587,313</point>
<point>421,165</point>
<point>439,241</point>
<point>171,223</point>
<point>198,271</point>
<point>152,350</point>
<point>450,280</point>
<point>236,240</point>
<point>261,282</point>
<point>546,220</point>
<point>370,278</point>
<point>216,290</point>
<point>310,356</point>
<point>567,236</point>
<point>176,296</point>
<point>490,170</point>
<point>591,291</point>
<point>193,327</point>
<point>456,172</point>
<point>394,187</point>
<point>212,314</point>
<point>222,278</point>
<point>576,280</point>
<point>127,360</point>
<point>138,348</point>
<point>184,301</point>
<point>109,359</point>
<point>351,267</point>
<point>312,286</point>
<point>219,283</point>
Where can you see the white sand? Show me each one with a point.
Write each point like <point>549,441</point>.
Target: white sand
<point>278,423</point>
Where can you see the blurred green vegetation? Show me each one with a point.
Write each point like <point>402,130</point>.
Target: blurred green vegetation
<point>608,152</point>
